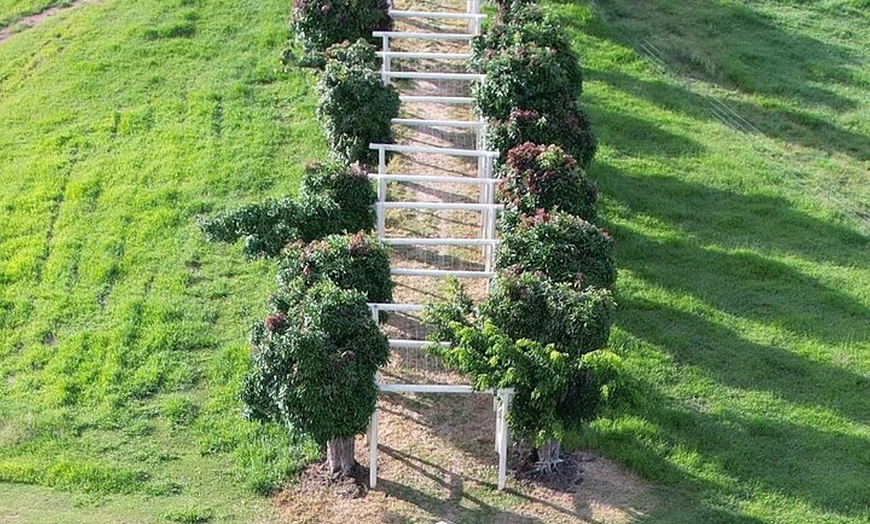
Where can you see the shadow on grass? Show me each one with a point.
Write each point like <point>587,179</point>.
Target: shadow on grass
<point>733,455</point>
<point>639,137</point>
<point>741,281</point>
<point>711,244</point>
<point>790,125</point>
<point>732,220</point>
<point>735,47</point>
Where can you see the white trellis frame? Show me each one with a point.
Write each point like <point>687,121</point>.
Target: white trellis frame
<point>487,207</point>
<point>501,400</point>
<point>387,54</point>
<point>489,210</point>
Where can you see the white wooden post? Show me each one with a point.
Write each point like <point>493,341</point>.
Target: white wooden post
<point>385,64</point>
<point>379,210</point>
<point>505,398</point>
<point>373,450</point>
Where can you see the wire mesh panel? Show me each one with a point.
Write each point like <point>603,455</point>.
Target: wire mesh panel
<point>425,57</point>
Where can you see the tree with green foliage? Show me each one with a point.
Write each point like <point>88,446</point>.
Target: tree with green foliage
<point>354,104</point>
<point>566,126</point>
<point>314,368</point>
<point>564,247</point>
<point>358,261</point>
<point>319,24</point>
<point>544,340</point>
<point>333,199</point>
<point>533,82</point>
<point>544,177</point>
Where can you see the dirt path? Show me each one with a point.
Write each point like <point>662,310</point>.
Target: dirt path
<point>436,455</point>
<point>31,21</point>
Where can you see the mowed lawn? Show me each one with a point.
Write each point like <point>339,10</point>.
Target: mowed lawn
<point>12,11</point>
<point>744,286</point>
<point>744,289</point>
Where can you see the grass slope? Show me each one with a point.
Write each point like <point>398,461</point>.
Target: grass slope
<point>745,284</point>
<point>121,331</point>
<point>743,289</point>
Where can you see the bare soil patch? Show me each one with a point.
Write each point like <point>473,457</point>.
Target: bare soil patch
<point>30,21</point>
<point>437,462</point>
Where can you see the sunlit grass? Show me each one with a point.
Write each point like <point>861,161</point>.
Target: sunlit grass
<point>121,331</point>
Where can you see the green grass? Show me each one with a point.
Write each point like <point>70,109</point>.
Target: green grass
<point>744,286</point>
<point>744,289</point>
<point>121,331</point>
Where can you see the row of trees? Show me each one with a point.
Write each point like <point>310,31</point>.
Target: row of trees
<point>316,353</point>
<point>542,328</point>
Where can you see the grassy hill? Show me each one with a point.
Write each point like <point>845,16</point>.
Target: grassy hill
<point>734,166</point>
<point>735,140</point>
<point>121,331</point>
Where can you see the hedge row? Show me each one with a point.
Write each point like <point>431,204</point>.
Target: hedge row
<point>320,24</point>
<point>315,356</point>
<point>533,81</point>
<point>542,328</point>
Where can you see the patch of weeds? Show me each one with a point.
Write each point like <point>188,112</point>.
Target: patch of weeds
<point>192,515</point>
<point>179,410</point>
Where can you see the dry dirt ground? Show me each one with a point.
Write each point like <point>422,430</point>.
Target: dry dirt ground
<point>436,452</point>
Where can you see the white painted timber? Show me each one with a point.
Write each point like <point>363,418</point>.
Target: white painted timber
<point>439,388</point>
<point>423,55</point>
<point>373,450</point>
<point>418,122</point>
<point>409,272</point>
<point>423,99</point>
<point>435,179</point>
<point>436,14</point>
<point>398,148</point>
<point>401,308</point>
<point>408,241</point>
<point>421,75</point>
<point>450,206</point>
<point>422,36</point>
<point>396,343</point>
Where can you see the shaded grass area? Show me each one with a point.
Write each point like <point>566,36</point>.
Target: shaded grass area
<point>121,331</point>
<point>744,289</point>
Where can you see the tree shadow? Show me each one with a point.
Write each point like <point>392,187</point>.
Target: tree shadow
<point>438,508</point>
<point>826,469</point>
<point>789,125</point>
<point>721,257</point>
<point>455,506</point>
<point>635,136</point>
<point>730,359</point>
<point>733,46</point>
<point>732,220</point>
<point>432,258</point>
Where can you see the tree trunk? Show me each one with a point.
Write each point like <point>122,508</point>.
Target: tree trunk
<point>339,456</point>
<point>549,452</point>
